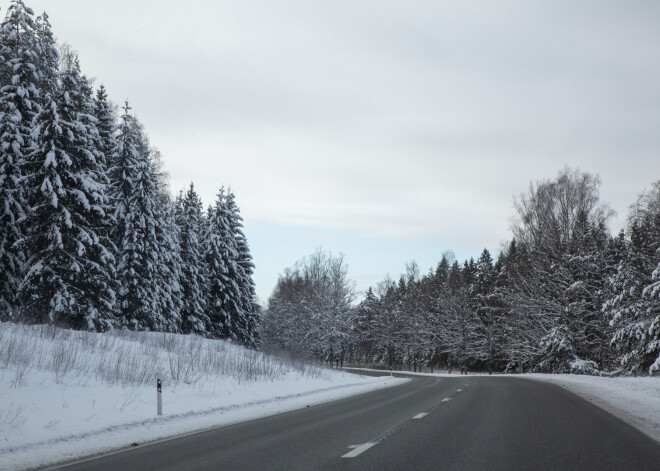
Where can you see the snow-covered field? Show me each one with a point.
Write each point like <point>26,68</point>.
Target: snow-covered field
<point>66,394</point>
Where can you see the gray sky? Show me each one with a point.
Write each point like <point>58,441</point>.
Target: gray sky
<point>386,130</point>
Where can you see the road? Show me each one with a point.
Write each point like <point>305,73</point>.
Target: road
<point>430,423</point>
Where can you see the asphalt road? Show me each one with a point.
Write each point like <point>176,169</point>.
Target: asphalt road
<point>458,423</point>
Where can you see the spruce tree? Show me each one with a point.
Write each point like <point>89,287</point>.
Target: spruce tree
<point>221,260</point>
<point>635,304</point>
<point>105,123</point>
<point>19,103</point>
<point>138,233</point>
<point>47,58</point>
<point>249,311</point>
<point>190,220</point>
<point>69,269</point>
<point>170,266</point>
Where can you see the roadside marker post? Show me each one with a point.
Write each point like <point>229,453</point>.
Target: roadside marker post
<point>159,393</point>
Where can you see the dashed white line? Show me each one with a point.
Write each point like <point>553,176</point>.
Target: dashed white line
<point>420,415</point>
<point>458,390</point>
<point>446,399</point>
<point>358,449</point>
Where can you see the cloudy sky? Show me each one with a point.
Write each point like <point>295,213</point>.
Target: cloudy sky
<point>384,130</point>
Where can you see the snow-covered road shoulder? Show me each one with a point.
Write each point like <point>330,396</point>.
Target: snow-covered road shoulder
<point>635,400</point>
<point>67,394</point>
<point>44,422</point>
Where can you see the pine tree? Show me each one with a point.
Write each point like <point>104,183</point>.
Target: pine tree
<point>19,103</point>
<point>190,220</point>
<point>69,270</point>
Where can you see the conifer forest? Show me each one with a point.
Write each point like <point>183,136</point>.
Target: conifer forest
<point>91,239</point>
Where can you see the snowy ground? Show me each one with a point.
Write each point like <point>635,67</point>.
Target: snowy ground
<point>634,400</point>
<point>65,395</point>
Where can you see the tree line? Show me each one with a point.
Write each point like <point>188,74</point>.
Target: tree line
<point>564,296</point>
<point>89,235</point>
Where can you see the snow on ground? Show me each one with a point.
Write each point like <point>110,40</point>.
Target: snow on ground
<point>635,400</point>
<point>64,394</point>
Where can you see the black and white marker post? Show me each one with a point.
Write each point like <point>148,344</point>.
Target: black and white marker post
<point>159,392</point>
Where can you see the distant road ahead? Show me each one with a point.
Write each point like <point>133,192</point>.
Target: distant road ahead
<point>459,423</point>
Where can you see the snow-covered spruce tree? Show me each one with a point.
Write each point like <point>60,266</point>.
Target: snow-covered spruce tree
<point>635,304</point>
<point>190,220</point>
<point>47,57</point>
<point>106,125</point>
<point>248,302</point>
<point>170,268</point>
<point>486,307</point>
<point>19,103</point>
<point>366,327</point>
<point>220,255</point>
<point>69,269</point>
<point>232,309</point>
<point>138,233</point>
<point>107,145</point>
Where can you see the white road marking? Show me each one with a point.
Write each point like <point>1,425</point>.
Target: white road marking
<point>359,449</point>
<point>458,390</point>
<point>420,415</point>
<point>446,399</point>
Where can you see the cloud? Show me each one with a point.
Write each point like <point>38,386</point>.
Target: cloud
<point>389,119</point>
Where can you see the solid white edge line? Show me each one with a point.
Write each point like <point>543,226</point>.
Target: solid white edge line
<point>359,449</point>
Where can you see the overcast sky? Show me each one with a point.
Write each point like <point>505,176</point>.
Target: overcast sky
<point>386,130</point>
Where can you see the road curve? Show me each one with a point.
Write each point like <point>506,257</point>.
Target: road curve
<point>430,423</point>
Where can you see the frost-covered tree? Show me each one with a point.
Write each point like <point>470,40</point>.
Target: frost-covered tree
<point>310,310</point>
<point>232,307</point>
<point>139,232</point>
<point>190,221</point>
<point>69,269</point>
<point>105,123</point>
<point>366,327</point>
<point>221,255</point>
<point>244,273</point>
<point>486,307</point>
<point>19,103</point>
<point>561,225</point>
<point>635,304</point>
<point>47,57</point>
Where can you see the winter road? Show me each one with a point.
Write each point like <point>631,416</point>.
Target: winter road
<point>429,423</point>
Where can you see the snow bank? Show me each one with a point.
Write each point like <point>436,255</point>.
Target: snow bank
<point>636,400</point>
<point>67,394</point>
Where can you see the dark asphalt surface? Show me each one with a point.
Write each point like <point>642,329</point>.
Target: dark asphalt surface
<point>472,423</point>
